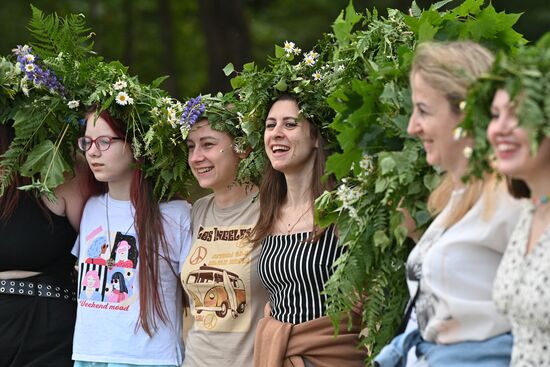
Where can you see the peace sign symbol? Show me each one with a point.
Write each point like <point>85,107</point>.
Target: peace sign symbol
<point>198,255</point>
<point>210,321</point>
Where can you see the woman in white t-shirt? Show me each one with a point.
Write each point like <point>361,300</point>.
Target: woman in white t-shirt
<point>219,275</point>
<point>129,309</point>
<point>451,270</point>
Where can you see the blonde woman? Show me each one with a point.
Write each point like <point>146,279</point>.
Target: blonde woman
<point>451,270</point>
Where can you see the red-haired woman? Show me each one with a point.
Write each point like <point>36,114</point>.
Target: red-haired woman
<point>138,320</point>
<point>37,298</point>
<point>296,257</point>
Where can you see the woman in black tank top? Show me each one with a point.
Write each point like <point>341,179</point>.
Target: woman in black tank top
<point>37,290</point>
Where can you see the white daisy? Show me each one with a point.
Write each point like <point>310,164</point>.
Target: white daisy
<point>289,47</point>
<point>317,76</point>
<point>29,68</point>
<point>123,99</point>
<point>29,58</point>
<point>121,84</point>
<point>73,104</point>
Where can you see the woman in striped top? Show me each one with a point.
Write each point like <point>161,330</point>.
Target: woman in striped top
<point>297,257</point>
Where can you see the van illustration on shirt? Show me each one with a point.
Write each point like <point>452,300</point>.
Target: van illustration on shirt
<point>218,290</point>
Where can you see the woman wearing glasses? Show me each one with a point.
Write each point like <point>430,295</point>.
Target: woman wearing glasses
<point>137,319</point>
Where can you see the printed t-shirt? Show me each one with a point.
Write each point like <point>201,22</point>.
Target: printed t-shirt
<point>221,281</point>
<point>108,284</point>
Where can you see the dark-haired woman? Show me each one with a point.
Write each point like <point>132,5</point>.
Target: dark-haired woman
<point>37,288</point>
<point>297,257</point>
<point>521,289</point>
<point>143,244</point>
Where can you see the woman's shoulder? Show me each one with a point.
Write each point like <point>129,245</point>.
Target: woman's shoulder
<point>175,208</point>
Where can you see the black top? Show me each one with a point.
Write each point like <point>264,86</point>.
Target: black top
<point>295,272</point>
<point>31,241</point>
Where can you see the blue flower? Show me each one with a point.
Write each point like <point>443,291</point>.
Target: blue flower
<point>192,110</point>
<point>34,72</point>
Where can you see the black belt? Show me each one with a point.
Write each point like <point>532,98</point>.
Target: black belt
<point>25,287</point>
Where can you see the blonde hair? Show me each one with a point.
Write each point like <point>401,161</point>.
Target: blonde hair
<point>451,68</point>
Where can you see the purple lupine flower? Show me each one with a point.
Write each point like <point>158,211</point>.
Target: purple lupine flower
<point>192,110</point>
<point>34,72</point>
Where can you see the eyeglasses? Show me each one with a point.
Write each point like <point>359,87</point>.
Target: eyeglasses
<point>102,143</point>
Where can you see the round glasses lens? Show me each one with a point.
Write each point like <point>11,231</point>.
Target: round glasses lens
<point>103,142</point>
<point>84,143</point>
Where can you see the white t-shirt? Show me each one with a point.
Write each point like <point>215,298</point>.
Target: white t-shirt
<point>456,268</point>
<point>108,283</point>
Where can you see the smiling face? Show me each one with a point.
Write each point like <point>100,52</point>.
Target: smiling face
<point>287,138</point>
<point>114,164</point>
<point>211,157</point>
<point>433,122</point>
<point>511,143</point>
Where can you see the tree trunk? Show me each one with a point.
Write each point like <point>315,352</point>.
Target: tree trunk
<point>227,39</point>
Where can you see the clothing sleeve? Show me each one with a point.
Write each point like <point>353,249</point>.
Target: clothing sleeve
<point>185,236</point>
<point>75,251</point>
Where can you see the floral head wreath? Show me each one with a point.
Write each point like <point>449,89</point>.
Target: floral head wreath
<point>525,75</point>
<point>309,76</point>
<point>62,77</point>
<point>222,115</point>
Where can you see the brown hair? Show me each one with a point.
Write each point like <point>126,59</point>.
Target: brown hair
<point>150,233</point>
<point>273,187</point>
<point>451,67</point>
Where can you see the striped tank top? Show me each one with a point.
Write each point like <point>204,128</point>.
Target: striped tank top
<point>295,271</point>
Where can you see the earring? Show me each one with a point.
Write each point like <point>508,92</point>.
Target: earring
<point>221,150</point>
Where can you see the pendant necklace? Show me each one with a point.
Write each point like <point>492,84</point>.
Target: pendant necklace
<point>111,261</point>
<point>291,227</point>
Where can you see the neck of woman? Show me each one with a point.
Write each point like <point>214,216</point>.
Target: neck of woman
<point>120,190</point>
<point>298,189</point>
<point>232,194</point>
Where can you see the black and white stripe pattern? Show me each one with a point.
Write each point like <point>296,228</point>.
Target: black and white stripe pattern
<point>295,272</point>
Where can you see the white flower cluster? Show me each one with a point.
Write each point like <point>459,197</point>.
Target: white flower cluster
<point>122,98</point>
<point>348,196</point>
<point>367,166</point>
<point>310,58</point>
<point>290,48</point>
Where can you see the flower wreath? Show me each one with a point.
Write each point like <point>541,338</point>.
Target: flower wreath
<point>311,80</point>
<point>526,77</point>
<point>222,115</point>
<point>61,62</point>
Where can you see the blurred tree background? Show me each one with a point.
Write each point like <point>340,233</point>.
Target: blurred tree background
<point>192,40</point>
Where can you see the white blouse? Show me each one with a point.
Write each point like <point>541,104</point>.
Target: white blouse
<point>455,269</point>
<point>522,292</point>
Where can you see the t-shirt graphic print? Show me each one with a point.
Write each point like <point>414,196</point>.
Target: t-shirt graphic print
<point>218,278</point>
<point>108,273</point>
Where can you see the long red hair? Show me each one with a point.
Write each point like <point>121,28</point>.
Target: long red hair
<point>150,233</point>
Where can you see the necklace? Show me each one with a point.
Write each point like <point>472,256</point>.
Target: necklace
<point>541,200</point>
<point>111,261</point>
<point>291,226</point>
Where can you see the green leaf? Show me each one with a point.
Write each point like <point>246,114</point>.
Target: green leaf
<point>237,82</point>
<point>228,69</point>
<point>343,25</point>
<point>281,85</point>
<point>51,164</point>
<point>279,52</point>
<point>431,181</point>
<point>387,164</point>
<point>381,240</point>
<point>158,81</point>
